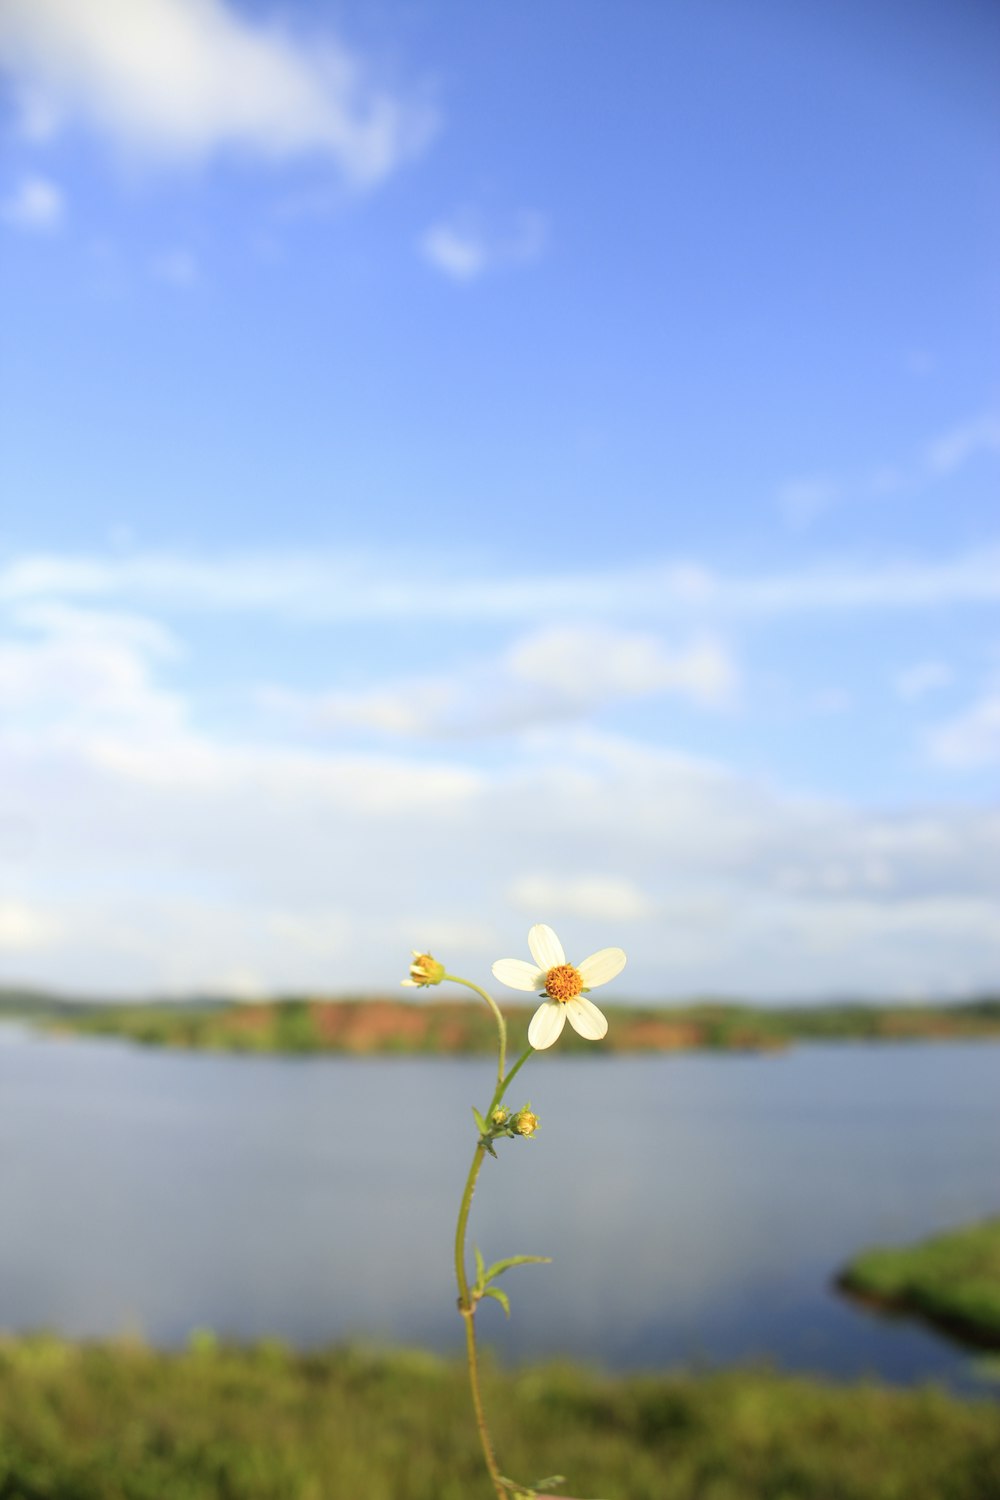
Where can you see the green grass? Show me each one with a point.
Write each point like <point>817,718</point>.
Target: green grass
<point>124,1423</point>
<point>953,1280</point>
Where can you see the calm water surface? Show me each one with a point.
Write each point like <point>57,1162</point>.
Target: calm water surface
<point>696,1207</point>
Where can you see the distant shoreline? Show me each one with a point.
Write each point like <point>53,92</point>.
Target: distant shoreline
<point>390,1026</point>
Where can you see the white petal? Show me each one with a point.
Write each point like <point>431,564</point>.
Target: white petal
<point>546,1024</point>
<point>516,974</point>
<point>546,949</point>
<point>602,966</point>
<point>585,1018</point>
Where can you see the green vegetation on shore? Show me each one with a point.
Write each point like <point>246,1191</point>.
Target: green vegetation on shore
<point>124,1423</point>
<point>442,1026</point>
<point>952,1280</point>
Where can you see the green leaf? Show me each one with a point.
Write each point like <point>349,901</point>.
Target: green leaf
<point>499,1296</point>
<point>499,1266</point>
<point>480,1122</point>
<point>480,1267</point>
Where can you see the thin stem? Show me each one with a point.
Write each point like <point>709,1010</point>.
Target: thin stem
<point>467,1308</point>
<point>477,1402</point>
<point>502,1089</point>
<point>466,1303</point>
<point>501,1023</point>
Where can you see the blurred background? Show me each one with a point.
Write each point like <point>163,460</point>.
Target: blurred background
<point>465,465</point>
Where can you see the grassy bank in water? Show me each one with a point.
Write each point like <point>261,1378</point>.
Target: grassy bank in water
<point>366,1027</point>
<point>951,1280</point>
<point>123,1423</point>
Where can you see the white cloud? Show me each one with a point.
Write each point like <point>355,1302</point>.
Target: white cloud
<point>461,249</point>
<point>972,739</point>
<point>36,204</point>
<point>146,848</point>
<point>166,856</point>
<point>588,665</point>
<point>68,673</point>
<point>365,586</point>
<point>23,927</point>
<point>553,675</point>
<point>460,255</point>
<point>602,899</point>
<point>185,78</point>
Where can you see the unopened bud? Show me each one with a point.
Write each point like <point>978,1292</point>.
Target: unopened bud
<point>525,1123</point>
<point>424,970</point>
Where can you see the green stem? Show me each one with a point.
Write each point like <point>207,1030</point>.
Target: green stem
<point>502,1089</point>
<point>467,1308</point>
<point>501,1023</point>
<point>466,1303</point>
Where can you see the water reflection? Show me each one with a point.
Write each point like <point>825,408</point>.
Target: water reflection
<point>696,1206</point>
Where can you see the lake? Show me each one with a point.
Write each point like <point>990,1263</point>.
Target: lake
<point>696,1206</point>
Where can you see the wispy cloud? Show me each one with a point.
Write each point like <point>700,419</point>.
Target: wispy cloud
<point>186,78</point>
<point>35,204</point>
<point>178,855</point>
<point>369,585</point>
<point>803,500</point>
<point>971,739</point>
<point>954,448</point>
<point>554,675</point>
<point>594,897</point>
<point>462,250</point>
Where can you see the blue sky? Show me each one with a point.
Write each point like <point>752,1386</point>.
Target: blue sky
<point>464,466</point>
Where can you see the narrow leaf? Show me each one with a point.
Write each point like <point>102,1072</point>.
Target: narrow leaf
<point>499,1296</point>
<point>480,1267</point>
<point>480,1122</point>
<point>499,1266</point>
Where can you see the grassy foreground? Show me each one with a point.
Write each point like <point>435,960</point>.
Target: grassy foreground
<point>124,1423</point>
<point>364,1027</point>
<point>952,1280</point>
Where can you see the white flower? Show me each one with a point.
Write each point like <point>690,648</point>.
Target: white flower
<point>563,985</point>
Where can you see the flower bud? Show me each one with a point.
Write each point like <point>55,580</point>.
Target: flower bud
<point>524,1122</point>
<point>500,1117</point>
<point>424,970</point>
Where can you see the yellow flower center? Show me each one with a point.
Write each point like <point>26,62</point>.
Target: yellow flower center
<point>563,983</point>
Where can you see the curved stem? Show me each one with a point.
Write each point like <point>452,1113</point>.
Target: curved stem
<point>466,1302</point>
<point>501,1023</point>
